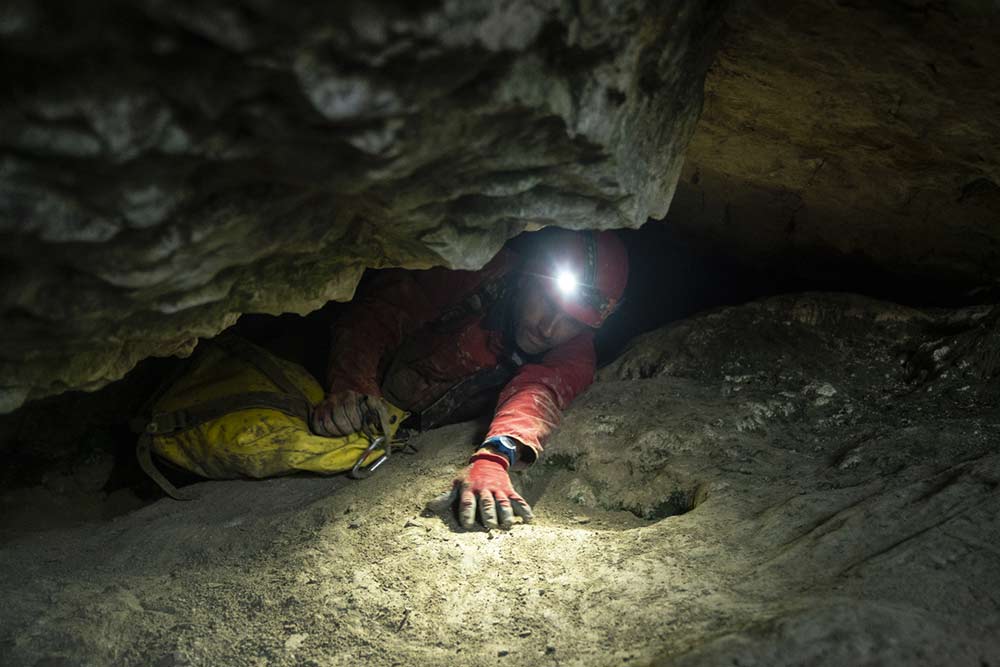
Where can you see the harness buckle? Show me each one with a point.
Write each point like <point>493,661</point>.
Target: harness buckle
<point>167,422</point>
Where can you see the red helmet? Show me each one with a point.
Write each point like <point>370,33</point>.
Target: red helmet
<point>584,272</point>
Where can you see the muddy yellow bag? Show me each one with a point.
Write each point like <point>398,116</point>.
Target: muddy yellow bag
<point>238,411</point>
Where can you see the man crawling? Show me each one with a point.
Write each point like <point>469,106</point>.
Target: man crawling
<point>443,344</point>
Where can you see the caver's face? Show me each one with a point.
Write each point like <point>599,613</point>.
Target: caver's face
<point>539,323</point>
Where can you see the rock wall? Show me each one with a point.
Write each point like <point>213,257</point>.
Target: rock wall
<point>845,134</point>
<point>167,166</point>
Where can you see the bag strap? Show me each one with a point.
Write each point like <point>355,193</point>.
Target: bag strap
<point>169,423</point>
<point>172,423</point>
<point>143,452</point>
<point>292,401</point>
<point>263,362</point>
<point>438,412</point>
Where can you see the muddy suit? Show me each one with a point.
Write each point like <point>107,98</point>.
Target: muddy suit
<point>439,344</point>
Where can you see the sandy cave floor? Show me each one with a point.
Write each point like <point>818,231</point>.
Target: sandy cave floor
<point>843,513</point>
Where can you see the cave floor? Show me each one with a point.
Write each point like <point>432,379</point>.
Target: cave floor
<point>838,515</point>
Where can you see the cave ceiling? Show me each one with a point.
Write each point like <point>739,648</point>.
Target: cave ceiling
<point>168,166</point>
<point>853,132</point>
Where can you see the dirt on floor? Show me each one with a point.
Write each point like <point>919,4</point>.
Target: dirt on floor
<point>805,480</point>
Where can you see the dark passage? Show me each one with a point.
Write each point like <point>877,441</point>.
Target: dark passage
<point>71,457</point>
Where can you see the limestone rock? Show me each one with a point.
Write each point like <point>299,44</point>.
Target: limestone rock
<point>167,166</point>
<point>845,135</point>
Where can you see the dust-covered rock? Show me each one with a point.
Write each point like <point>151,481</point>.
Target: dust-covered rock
<point>698,507</point>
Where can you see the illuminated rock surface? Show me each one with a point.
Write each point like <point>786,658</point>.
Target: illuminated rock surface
<point>166,166</point>
<point>841,454</point>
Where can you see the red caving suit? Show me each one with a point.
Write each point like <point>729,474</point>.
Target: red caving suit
<point>407,340</point>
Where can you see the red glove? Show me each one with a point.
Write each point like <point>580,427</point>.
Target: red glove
<point>487,482</point>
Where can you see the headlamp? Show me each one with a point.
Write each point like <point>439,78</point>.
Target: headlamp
<point>567,283</point>
<point>572,289</point>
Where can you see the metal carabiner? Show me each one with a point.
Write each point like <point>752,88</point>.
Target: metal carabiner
<point>357,472</point>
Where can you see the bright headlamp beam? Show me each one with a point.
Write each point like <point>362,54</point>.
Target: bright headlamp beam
<point>566,282</point>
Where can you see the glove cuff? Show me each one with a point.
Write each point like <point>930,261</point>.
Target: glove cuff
<point>490,456</point>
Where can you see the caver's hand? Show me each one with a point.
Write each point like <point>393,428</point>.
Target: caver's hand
<point>485,484</point>
<point>340,413</point>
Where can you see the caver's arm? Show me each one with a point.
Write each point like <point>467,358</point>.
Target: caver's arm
<point>529,409</point>
<point>531,405</point>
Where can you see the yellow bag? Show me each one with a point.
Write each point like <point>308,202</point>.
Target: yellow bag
<point>238,411</point>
